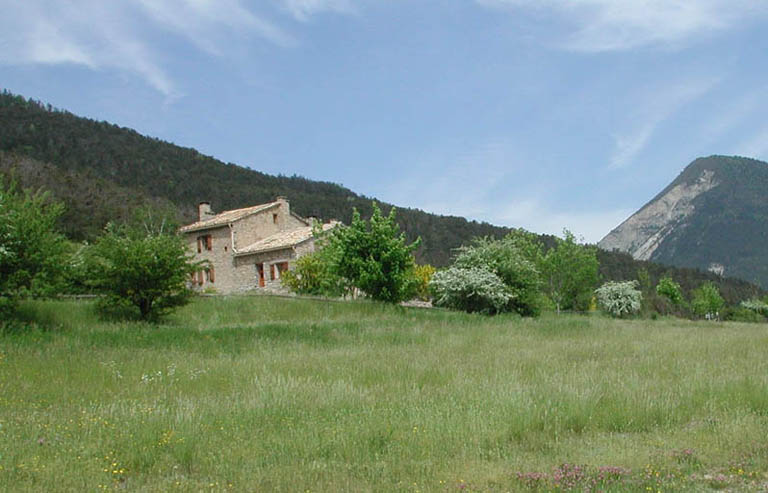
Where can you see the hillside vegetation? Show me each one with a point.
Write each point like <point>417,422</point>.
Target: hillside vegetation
<point>103,172</point>
<point>269,394</point>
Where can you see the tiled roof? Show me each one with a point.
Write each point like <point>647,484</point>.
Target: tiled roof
<point>226,217</point>
<point>283,239</point>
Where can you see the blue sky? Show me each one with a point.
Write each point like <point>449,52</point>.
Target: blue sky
<point>543,114</point>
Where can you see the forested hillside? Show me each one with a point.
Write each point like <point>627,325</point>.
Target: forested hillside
<point>102,171</point>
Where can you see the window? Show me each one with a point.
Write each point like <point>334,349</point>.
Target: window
<point>206,242</point>
<point>209,276</point>
<point>274,218</point>
<point>276,270</point>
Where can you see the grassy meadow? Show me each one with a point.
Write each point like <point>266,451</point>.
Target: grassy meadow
<point>273,394</point>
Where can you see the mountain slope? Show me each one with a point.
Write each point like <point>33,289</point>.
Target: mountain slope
<point>714,216</point>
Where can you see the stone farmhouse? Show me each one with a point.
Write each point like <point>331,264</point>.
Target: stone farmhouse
<point>248,248</point>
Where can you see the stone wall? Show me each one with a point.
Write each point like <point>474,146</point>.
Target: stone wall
<point>232,274</point>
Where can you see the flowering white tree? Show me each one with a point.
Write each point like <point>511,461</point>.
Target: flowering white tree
<point>619,298</point>
<point>473,290</point>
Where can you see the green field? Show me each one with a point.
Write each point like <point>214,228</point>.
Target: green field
<point>272,394</point>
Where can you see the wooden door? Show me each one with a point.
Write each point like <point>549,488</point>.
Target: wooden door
<point>260,267</point>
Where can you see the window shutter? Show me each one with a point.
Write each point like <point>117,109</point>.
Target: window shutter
<point>200,278</point>
<point>211,276</point>
<point>199,245</point>
<point>209,242</point>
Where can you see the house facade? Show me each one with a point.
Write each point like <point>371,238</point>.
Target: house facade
<point>248,248</point>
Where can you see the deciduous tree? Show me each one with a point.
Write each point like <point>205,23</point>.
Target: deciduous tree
<point>31,251</point>
<point>140,270</point>
<point>570,273</point>
<point>374,256</point>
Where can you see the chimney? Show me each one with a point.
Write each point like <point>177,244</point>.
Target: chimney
<point>204,211</point>
<point>283,201</point>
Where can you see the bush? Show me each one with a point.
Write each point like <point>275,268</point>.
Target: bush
<point>313,274</point>
<point>742,314</point>
<point>373,256</point>
<point>32,253</point>
<point>756,306</point>
<point>422,275</point>
<point>471,289</point>
<point>570,273</point>
<point>707,302</point>
<point>619,299</point>
<point>505,259</point>
<point>670,290</point>
<point>139,271</point>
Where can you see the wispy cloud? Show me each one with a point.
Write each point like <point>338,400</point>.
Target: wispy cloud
<point>648,110</point>
<point>615,25</point>
<point>119,35</point>
<point>210,25</point>
<point>93,35</point>
<point>304,9</point>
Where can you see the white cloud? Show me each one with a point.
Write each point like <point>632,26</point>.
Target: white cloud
<point>117,35</point>
<point>304,9</point>
<point>92,35</point>
<point>209,24</point>
<point>615,25</point>
<point>647,111</point>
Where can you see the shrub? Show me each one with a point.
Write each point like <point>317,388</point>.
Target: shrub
<point>422,275</point>
<point>471,289</point>
<point>138,270</point>
<point>619,299</point>
<point>756,306</point>
<point>313,274</point>
<point>373,256</point>
<point>32,253</point>
<point>742,314</point>
<point>707,302</point>
<point>505,259</point>
<point>570,273</point>
<point>670,290</point>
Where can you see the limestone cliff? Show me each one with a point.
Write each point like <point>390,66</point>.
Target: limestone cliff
<point>713,216</point>
<point>645,230</point>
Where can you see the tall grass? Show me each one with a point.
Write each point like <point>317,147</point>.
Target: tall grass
<point>259,393</point>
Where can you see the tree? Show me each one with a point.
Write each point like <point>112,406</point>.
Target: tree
<point>471,289</point>
<point>506,259</point>
<point>619,299</point>
<point>570,273</point>
<point>670,290</point>
<point>373,256</point>
<point>707,302</point>
<point>144,270</point>
<point>31,251</point>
